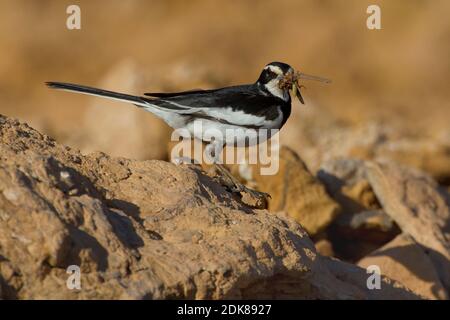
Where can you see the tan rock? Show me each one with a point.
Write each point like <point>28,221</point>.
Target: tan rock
<point>192,151</point>
<point>350,273</point>
<point>427,155</point>
<point>404,260</point>
<point>321,137</point>
<point>148,229</point>
<point>324,247</point>
<point>346,181</point>
<point>373,226</point>
<point>297,192</point>
<point>362,226</point>
<point>413,201</point>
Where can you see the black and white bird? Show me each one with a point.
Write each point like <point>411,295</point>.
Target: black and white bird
<point>265,104</point>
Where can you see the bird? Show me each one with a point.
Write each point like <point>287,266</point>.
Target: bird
<point>264,104</point>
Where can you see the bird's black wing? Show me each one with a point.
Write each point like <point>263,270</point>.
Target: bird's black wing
<point>175,94</point>
<point>240,105</point>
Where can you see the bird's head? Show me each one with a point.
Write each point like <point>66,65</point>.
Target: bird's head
<point>279,78</point>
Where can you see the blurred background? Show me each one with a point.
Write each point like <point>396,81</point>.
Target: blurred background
<point>389,96</point>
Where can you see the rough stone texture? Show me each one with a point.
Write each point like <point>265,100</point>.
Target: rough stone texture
<point>414,202</point>
<point>320,137</point>
<point>362,226</point>
<point>148,229</point>
<point>324,247</point>
<point>373,226</point>
<point>428,155</point>
<point>297,192</point>
<point>404,260</point>
<point>350,273</point>
<point>346,181</point>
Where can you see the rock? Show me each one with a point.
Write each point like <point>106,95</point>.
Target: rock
<point>293,189</point>
<point>297,192</point>
<point>362,226</point>
<point>428,155</point>
<point>346,181</point>
<point>412,199</point>
<point>350,249</point>
<point>320,137</point>
<point>352,274</point>
<point>148,230</point>
<point>404,260</point>
<point>192,151</point>
<point>324,247</point>
<point>372,226</point>
<point>340,171</point>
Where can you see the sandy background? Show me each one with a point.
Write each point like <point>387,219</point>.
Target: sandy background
<point>396,76</point>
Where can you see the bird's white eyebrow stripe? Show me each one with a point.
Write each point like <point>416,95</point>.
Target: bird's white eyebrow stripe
<point>274,69</point>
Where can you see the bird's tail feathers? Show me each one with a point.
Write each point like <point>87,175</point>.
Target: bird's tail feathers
<point>97,92</point>
<point>144,102</point>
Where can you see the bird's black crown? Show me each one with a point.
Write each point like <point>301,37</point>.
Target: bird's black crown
<point>283,66</point>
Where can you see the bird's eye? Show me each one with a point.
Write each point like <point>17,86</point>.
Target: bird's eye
<point>270,75</point>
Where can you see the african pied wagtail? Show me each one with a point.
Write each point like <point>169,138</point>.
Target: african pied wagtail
<point>265,104</point>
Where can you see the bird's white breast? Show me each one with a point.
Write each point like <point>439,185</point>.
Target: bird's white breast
<point>273,87</point>
<point>232,130</point>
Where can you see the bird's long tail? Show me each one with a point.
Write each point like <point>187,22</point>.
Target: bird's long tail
<point>148,104</point>
<point>98,92</point>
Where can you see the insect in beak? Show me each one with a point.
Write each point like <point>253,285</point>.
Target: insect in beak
<point>290,81</point>
<point>296,92</point>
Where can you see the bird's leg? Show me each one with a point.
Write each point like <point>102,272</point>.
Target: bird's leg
<point>213,151</point>
<point>227,178</point>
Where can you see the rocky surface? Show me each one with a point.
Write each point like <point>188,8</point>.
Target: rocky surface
<point>373,226</point>
<point>346,181</point>
<point>148,229</point>
<point>322,139</point>
<point>298,193</point>
<point>419,206</point>
<point>362,226</point>
<point>404,260</point>
<point>398,219</point>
